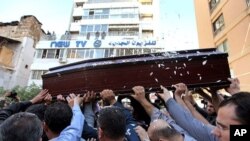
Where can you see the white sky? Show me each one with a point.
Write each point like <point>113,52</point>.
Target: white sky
<point>177,18</point>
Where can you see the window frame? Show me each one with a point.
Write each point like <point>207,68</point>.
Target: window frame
<point>218,22</point>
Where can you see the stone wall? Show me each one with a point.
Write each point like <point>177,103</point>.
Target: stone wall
<point>28,26</point>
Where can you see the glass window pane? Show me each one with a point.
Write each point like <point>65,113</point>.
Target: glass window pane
<point>90,28</point>
<point>105,11</point>
<point>106,54</point>
<point>97,27</point>
<point>99,53</point>
<point>83,28</point>
<point>85,12</point>
<point>39,53</point>
<point>33,74</point>
<point>80,53</point>
<point>71,53</point>
<point>91,53</point>
<point>51,53</point>
<point>104,28</point>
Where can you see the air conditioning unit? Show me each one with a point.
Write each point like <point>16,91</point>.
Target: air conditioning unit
<point>62,60</point>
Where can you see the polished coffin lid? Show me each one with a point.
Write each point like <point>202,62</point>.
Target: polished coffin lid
<point>196,68</point>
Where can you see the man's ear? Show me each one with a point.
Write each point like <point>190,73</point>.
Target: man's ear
<point>45,127</point>
<point>100,133</point>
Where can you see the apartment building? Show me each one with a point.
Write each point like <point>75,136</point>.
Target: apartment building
<point>225,24</point>
<point>99,29</point>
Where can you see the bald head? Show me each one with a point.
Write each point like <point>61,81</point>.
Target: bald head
<point>160,129</point>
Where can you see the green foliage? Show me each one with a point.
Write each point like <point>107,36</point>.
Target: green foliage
<point>24,93</point>
<point>27,93</point>
<point>2,91</point>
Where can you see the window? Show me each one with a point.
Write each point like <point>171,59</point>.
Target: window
<point>57,53</point>
<point>99,53</point>
<point>48,53</point>
<point>218,24</point>
<point>51,53</point>
<point>92,29</point>
<point>112,13</point>
<point>37,74</point>
<point>80,53</point>
<point>71,53</point>
<point>39,53</point>
<point>44,54</point>
<point>223,47</point>
<point>89,53</point>
<point>91,12</point>
<point>213,4</point>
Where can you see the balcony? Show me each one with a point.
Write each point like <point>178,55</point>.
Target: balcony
<point>146,10</point>
<point>146,25</point>
<point>75,26</point>
<point>78,11</point>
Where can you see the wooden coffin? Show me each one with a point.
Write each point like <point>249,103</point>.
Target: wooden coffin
<point>196,68</point>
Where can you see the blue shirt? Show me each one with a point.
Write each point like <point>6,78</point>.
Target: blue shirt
<point>185,119</point>
<point>157,114</point>
<point>74,131</point>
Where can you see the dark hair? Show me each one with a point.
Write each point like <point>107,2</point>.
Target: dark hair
<point>58,116</point>
<point>12,94</point>
<point>242,102</point>
<point>37,109</point>
<point>21,127</point>
<point>165,132</point>
<point>112,121</point>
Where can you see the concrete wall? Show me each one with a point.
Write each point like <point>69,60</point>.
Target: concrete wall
<point>236,32</point>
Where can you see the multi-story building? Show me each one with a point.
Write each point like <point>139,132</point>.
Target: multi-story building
<point>98,29</point>
<point>225,24</point>
<point>17,48</point>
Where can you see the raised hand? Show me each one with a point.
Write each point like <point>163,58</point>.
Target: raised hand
<point>40,97</point>
<point>165,95</point>
<point>180,89</point>
<point>108,96</point>
<point>139,93</point>
<point>234,86</point>
<point>74,100</point>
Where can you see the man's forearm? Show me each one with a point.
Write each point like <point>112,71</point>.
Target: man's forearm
<point>147,106</point>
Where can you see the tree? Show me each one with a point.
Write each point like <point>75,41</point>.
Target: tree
<point>2,91</point>
<point>28,92</point>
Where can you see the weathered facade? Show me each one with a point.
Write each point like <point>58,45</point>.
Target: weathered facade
<point>17,47</point>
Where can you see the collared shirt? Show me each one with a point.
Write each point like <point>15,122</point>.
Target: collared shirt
<point>185,119</point>
<point>157,114</point>
<point>74,131</point>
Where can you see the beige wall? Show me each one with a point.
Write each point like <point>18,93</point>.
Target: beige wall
<point>236,32</point>
<point>204,28</point>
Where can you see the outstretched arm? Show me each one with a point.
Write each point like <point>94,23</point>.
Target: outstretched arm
<point>195,128</point>
<point>187,99</point>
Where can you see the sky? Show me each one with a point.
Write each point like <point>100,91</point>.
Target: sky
<point>177,18</point>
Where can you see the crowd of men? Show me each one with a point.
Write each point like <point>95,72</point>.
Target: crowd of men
<point>174,117</point>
